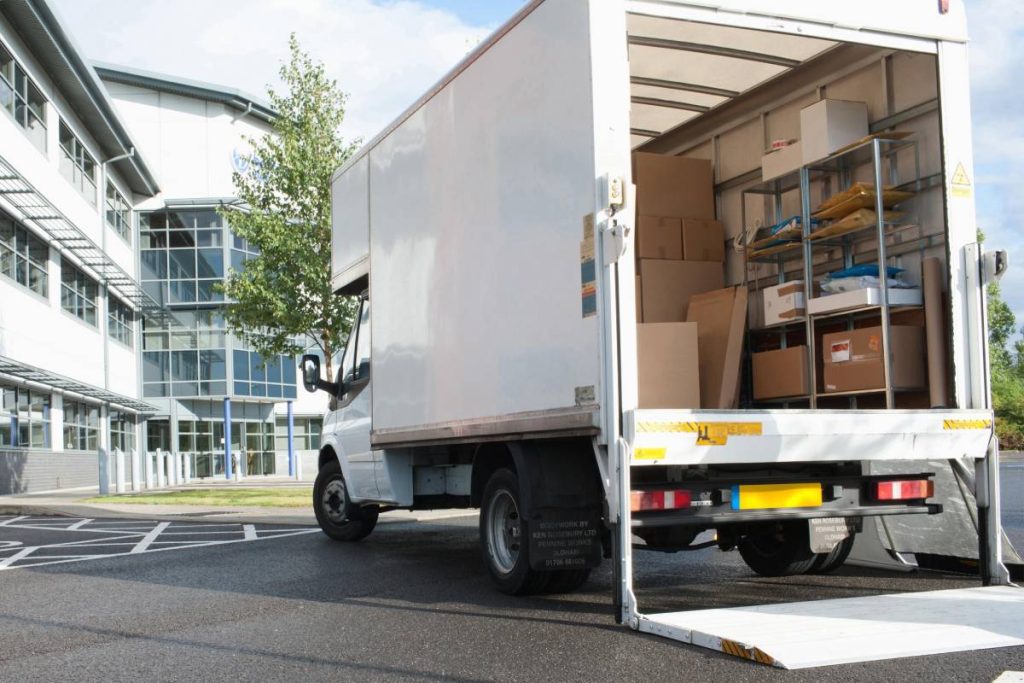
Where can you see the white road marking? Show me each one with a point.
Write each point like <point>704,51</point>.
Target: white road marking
<point>150,537</point>
<point>158,550</point>
<point>24,552</point>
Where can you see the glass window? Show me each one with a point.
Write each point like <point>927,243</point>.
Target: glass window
<point>20,97</point>
<point>77,165</point>
<point>23,256</point>
<point>119,214</point>
<point>78,293</point>
<point>24,418</point>
<point>81,426</point>
<point>122,431</point>
<point>363,344</point>
<point>120,319</point>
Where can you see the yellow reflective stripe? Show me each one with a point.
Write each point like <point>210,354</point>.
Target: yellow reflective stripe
<point>727,428</point>
<point>967,424</point>
<point>731,647</point>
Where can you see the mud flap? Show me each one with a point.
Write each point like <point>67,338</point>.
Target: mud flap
<point>947,541</point>
<point>561,498</point>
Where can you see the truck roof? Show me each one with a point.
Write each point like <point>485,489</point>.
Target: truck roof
<point>868,21</point>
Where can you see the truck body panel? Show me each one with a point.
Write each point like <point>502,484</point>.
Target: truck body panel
<point>464,195</point>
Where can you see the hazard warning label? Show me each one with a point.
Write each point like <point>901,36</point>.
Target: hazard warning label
<point>960,184</point>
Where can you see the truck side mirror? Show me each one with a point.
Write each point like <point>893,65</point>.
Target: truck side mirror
<point>310,365</point>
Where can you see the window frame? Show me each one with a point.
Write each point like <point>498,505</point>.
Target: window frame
<point>81,178</point>
<point>77,292</point>
<point>16,409</point>
<point>120,321</point>
<point>21,100</point>
<point>118,207</point>
<point>17,250</point>
<point>85,423</point>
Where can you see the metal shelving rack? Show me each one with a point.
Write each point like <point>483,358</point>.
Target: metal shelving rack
<point>779,255</point>
<point>877,151</point>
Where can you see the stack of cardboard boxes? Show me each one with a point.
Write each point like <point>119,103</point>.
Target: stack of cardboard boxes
<point>680,253</point>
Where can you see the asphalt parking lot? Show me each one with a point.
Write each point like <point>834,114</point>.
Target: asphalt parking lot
<point>411,603</point>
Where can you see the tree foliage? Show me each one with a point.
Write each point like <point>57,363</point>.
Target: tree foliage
<point>1007,371</point>
<point>283,296</point>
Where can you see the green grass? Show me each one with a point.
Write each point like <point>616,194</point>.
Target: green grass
<point>255,497</point>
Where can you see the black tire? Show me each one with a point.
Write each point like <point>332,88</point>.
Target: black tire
<point>503,534</point>
<point>778,549</point>
<point>337,516</point>
<point>830,561</point>
<point>566,580</point>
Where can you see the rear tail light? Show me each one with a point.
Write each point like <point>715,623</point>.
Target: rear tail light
<point>641,501</point>
<point>913,489</point>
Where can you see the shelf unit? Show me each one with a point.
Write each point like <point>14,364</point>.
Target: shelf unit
<point>841,166</point>
<point>871,223</point>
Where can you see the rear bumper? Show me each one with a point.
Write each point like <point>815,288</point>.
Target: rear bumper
<point>703,437</point>
<point>710,519</point>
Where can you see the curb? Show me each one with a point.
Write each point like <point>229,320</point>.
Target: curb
<point>231,516</point>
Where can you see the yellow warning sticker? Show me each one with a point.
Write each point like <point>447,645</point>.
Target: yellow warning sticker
<point>649,453</point>
<point>961,184</point>
<point>967,424</point>
<point>708,433</point>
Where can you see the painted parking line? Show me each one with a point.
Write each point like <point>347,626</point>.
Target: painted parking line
<point>97,539</point>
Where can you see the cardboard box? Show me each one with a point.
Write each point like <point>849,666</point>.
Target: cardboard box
<point>721,318</point>
<point>827,125</point>
<point>852,360</point>
<point>639,301</point>
<point>668,286</point>
<point>779,162</point>
<point>673,186</point>
<point>667,365</point>
<point>784,303</point>
<point>781,373</point>
<point>703,240</point>
<point>659,237</point>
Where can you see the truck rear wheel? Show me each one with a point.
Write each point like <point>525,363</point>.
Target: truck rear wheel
<point>503,537</point>
<point>830,561</point>
<point>778,549</point>
<point>337,516</point>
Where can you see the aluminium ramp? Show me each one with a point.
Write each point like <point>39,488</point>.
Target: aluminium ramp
<point>826,632</point>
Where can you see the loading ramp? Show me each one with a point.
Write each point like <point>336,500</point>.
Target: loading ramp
<point>802,635</point>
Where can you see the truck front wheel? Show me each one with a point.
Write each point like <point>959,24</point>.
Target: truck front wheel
<point>503,537</point>
<point>337,516</point>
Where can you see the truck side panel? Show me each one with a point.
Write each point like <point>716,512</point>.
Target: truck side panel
<point>350,237</point>
<point>478,200</point>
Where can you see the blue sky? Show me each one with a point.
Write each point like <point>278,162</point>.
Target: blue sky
<point>387,52</point>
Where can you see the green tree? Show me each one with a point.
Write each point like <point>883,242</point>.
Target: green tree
<point>283,296</point>
<point>1007,372</point>
<point>1001,326</point>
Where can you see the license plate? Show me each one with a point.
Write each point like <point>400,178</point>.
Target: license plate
<point>774,496</point>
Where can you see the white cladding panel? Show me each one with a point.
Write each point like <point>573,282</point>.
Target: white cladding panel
<point>350,227</point>
<point>477,208</point>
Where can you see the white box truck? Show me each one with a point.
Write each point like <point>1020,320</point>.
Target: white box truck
<point>491,229</point>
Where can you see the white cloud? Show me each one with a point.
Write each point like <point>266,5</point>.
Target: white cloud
<point>382,54</point>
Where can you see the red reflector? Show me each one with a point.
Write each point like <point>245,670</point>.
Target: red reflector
<point>904,490</point>
<point>658,500</point>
